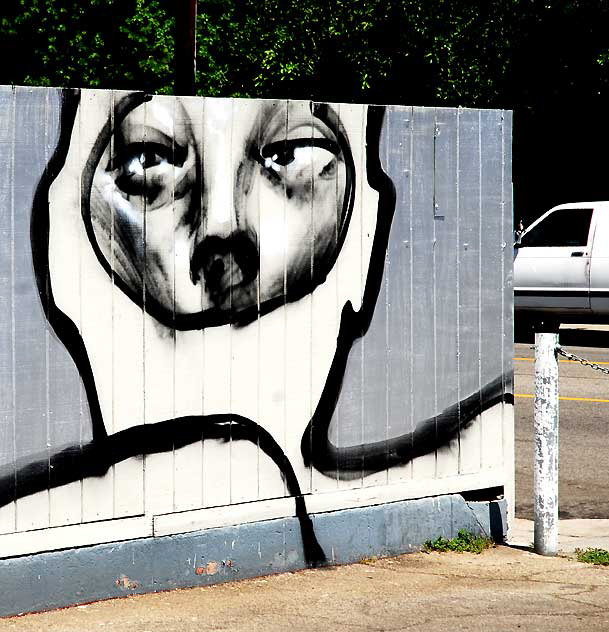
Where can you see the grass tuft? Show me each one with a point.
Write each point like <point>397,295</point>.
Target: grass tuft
<point>465,542</point>
<point>600,557</point>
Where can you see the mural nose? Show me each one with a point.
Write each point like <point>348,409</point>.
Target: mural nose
<point>227,265</point>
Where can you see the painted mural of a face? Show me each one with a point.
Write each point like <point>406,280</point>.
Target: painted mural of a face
<point>200,256</point>
<point>204,252</point>
<point>209,264</point>
<point>208,218</point>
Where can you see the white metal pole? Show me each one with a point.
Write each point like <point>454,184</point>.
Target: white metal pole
<point>545,476</point>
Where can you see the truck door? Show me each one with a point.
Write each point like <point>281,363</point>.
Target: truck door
<point>599,262</point>
<point>552,263</point>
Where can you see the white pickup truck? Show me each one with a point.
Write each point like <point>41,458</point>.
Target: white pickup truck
<point>561,266</point>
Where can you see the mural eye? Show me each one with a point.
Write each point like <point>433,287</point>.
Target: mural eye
<point>135,157</point>
<point>279,154</point>
<point>313,161</point>
<point>300,158</point>
<point>144,168</point>
<point>148,158</point>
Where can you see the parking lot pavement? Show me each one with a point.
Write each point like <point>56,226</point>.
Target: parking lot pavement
<point>584,425</point>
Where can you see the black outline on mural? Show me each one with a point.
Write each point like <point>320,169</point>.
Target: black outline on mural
<point>95,458</point>
<point>429,434</point>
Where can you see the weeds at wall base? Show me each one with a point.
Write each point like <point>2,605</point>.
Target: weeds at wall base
<point>598,557</point>
<point>465,542</point>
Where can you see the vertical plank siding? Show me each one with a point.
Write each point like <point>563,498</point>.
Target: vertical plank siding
<point>210,304</point>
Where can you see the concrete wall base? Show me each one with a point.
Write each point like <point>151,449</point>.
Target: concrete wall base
<point>62,578</point>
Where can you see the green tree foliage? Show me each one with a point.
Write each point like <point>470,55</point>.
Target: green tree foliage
<point>355,50</point>
<point>546,59</point>
<point>497,52</point>
<point>97,43</point>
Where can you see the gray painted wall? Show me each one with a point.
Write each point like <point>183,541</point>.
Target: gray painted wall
<point>42,405</point>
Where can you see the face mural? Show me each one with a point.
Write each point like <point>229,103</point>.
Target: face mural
<point>206,218</point>
<point>201,253</point>
<point>213,268</point>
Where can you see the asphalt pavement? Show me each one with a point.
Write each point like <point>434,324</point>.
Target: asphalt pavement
<point>584,425</point>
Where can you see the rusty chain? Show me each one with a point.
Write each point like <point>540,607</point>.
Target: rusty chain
<point>583,361</point>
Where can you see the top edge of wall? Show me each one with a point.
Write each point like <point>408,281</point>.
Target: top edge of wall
<point>169,96</point>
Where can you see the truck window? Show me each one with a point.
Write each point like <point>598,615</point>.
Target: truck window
<point>564,227</point>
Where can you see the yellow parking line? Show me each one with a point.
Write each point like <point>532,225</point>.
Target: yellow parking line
<point>574,361</point>
<point>570,399</point>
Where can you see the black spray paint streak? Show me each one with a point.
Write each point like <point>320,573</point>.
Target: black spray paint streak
<point>39,235</point>
<point>428,435</point>
<point>96,458</point>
